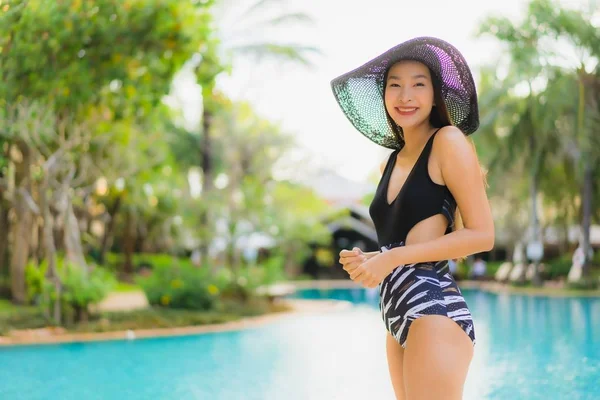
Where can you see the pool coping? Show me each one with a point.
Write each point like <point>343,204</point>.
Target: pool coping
<point>44,336</point>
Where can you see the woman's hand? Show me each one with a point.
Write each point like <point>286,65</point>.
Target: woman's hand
<point>371,272</point>
<point>351,259</point>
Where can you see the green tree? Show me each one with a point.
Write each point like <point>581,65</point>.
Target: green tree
<point>576,28</point>
<point>525,136</point>
<point>119,56</point>
<point>551,128</point>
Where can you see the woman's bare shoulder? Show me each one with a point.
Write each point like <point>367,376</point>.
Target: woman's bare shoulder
<point>451,144</point>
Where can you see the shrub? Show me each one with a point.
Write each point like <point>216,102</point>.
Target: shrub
<point>180,287</point>
<point>558,267</point>
<point>78,289</point>
<point>584,284</point>
<point>146,261</point>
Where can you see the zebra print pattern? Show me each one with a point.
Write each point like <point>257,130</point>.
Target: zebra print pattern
<point>414,290</point>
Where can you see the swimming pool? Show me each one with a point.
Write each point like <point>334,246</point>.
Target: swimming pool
<point>527,348</point>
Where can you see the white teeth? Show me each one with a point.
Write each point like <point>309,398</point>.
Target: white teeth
<point>406,109</point>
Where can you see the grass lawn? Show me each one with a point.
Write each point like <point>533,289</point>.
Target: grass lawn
<point>6,306</point>
<point>127,287</point>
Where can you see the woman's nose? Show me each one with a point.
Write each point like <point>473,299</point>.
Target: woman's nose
<point>404,95</point>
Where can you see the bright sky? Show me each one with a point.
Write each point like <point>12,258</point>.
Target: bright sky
<point>349,33</point>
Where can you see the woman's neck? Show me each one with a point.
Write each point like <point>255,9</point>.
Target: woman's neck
<point>416,137</point>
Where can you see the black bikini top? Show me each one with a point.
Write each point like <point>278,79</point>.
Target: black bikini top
<point>418,199</point>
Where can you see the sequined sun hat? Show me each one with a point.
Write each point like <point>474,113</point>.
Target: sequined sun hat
<point>360,92</point>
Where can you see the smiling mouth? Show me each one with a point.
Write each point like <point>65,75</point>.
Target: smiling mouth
<point>406,110</point>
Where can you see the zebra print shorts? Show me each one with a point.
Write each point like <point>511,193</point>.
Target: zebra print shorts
<point>414,290</point>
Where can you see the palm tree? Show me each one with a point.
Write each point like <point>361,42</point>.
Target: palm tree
<point>524,137</point>
<point>576,28</point>
<point>552,122</point>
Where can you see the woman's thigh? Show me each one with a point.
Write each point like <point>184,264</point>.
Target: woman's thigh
<point>436,359</point>
<point>395,358</point>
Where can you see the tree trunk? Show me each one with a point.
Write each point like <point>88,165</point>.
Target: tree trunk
<point>39,251</point>
<point>50,252</point>
<point>587,194</point>
<point>535,224</point>
<point>4,229</point>
<point>81,315</point>
<point>4,222</point>
<point>565,245</point>
<point>535,280</point>
<point>20,255</point>
<point>230,260</point>
<point>108,230</point>
<point>207,179</point>
<point>290,267</point>
<point>22,232</point>
<point>72,237</point>
<point>129,242</point>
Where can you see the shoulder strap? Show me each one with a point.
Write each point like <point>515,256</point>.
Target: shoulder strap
<point>429,144</point>
<point>392,157</point>
<point>424,157</point>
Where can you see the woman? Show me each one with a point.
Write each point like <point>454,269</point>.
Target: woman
<point>419,99</point>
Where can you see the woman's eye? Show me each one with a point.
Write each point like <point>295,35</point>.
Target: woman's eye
<point>420,84</point>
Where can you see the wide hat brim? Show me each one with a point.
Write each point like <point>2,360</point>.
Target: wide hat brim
<point>360,92</point>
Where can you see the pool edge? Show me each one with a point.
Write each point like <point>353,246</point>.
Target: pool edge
<point>297,306</point>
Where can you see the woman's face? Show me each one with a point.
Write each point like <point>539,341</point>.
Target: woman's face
<point>409,93</point>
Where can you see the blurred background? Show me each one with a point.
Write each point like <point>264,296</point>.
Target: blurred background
<point>182,163</point>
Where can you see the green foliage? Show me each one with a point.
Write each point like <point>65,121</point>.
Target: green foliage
<point>147,260</point>
<point>78,288</point>
<point>70,51</point>
<point>183,286</point>
<point>584,284</point>
<point>540,116</point>
<point>124,287</point>
<point>180,286</point>
<point>81,289</point>
<point>272,269</point>
<point>152,318</point>
<point>149,318</point>
<point>241,285</point>
<point>36,282</point>
<point>558,267</point>
<point>492,267</point>
<point>22,318</point>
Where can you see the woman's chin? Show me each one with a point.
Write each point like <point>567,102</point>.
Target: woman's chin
<point>410,123</point>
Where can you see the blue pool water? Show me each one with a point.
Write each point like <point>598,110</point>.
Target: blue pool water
<point>527,348</point>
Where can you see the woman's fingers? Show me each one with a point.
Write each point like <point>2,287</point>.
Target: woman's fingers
<point>348,260</point>
<point>350,263</point>
<point>347,253</point>
<point>352,266</point>
<point>357,274</point>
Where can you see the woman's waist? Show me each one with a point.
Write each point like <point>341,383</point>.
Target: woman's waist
<point>439,265</point>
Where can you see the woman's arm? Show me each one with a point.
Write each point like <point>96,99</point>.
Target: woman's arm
<point>461,172</point>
